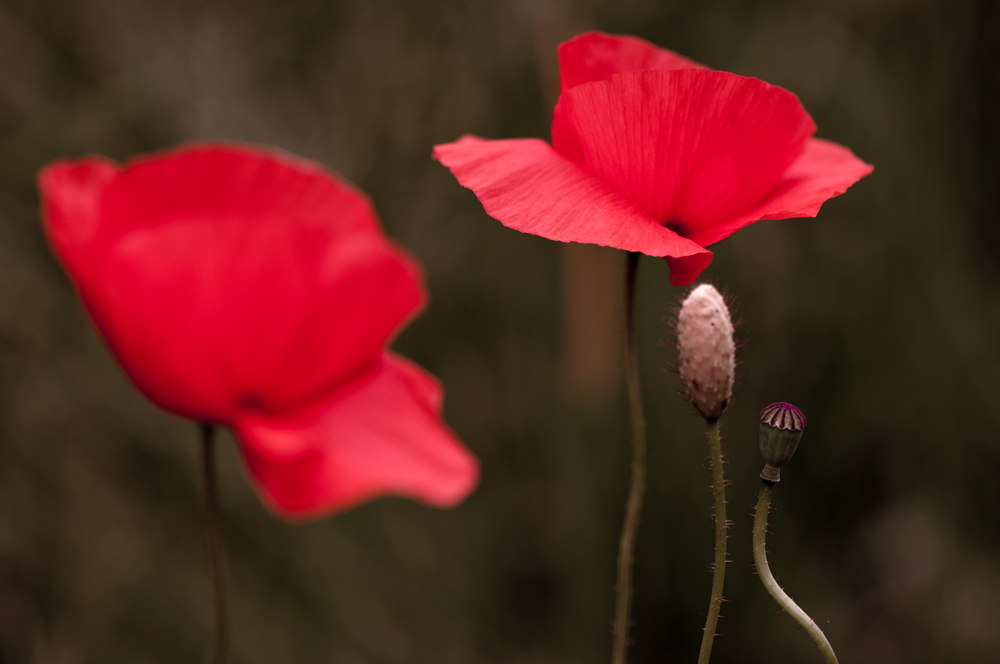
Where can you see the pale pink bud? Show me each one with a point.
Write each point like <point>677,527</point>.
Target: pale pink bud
<point>706,349</point>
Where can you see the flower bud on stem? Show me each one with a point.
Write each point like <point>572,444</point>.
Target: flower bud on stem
<point>216,548</point>
<point>707,356</point>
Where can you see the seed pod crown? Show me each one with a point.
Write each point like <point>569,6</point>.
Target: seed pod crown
<point>781,426</point>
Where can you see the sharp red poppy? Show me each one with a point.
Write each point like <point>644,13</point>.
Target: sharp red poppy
<point>657,154</point>
<point>249,288</point>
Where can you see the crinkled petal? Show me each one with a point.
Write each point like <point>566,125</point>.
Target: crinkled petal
<point>693,148</point>
<point>595,56</point>
<point>824,170</point>
<point>223,276</point>
<point>381,435</point>
<point>529,187</point>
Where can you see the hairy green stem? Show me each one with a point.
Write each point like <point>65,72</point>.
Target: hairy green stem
<point>721,526</point>
<point>764,572</point>
<point>626,548</point>
<point>216,548</point>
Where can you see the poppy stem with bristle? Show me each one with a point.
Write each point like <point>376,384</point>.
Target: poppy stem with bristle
<point>637,487</point>
<point>779,595</point>
<point>721,525</point>
<point>216,548</point>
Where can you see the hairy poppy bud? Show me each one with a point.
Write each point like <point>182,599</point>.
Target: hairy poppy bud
<point>781,426</point>
<point>706,349</point>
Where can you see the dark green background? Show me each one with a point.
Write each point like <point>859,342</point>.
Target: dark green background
<point>880,319</point>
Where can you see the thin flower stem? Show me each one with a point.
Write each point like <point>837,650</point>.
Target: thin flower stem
<point>637,487</point>
<point>721,525</point>
<point>216,547</point>
<point>764,572</point>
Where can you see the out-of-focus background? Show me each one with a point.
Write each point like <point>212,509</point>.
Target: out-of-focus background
<point>880,319</point>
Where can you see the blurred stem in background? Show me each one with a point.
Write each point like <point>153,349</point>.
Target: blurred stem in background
<point>216,548</point>
<point>637,486</point>
<point>721,526</point>
<point>592,354</point>
<point>779,595</point>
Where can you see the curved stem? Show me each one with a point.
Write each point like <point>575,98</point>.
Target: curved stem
<point>764,572</point>
<point>216,547</point>
<point>637,487</point>
<point>721,525</point>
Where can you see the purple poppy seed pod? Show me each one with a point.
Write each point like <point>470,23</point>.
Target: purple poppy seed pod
<point>781,426</point>
<point>706,349</point>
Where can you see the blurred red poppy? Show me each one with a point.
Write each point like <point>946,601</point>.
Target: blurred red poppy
<point>654,153</point>
<point>249,288</point>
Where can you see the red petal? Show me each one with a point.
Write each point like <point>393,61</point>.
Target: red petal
<point>595,56</point>
<point>824,170</point>
<point>527,186</point>
<point>683,271</point>
<point>218,181</point>
<point>71,205</point>
<point>223,276</point>
<point>381,435</point>
<point>693,148</point>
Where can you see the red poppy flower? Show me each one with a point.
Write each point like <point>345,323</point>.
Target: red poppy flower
<point>249,288</point>
<point>654,153</point>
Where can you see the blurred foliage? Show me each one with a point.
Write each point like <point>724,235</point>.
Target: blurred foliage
<point>879,320</point>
